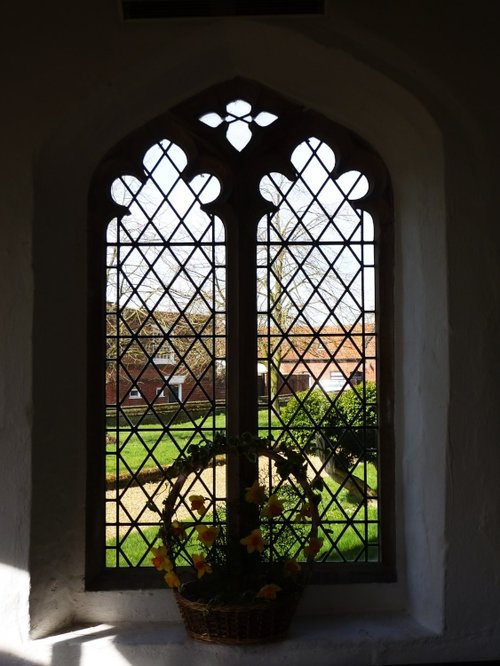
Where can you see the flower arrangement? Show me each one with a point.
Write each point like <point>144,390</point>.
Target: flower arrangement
<point>251,561</point>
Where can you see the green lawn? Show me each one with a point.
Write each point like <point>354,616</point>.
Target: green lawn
<point>155,444</point>
<point>347,522</point>
<point>134,549</point>
<point>349,545</point>
<point>159,446</point>
<point>348,525</point>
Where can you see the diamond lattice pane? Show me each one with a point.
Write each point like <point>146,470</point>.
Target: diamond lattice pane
<point>317,342</point>
<point>165,346</point>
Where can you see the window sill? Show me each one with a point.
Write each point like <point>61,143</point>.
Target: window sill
<point>319,640</point>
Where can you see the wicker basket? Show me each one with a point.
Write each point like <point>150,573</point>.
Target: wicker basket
<point>257,622</point>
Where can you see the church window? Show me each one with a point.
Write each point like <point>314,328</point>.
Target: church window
<point>247,243</point>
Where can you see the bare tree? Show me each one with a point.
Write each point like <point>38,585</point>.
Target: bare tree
<point>165,276</point>
<point>302,288</point>
<point>157,264</point>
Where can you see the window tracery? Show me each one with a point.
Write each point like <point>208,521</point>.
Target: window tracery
<point>263,262</point>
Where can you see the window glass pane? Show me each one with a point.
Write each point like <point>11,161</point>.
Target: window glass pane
<point>317,344</point>
<point>321,269</point>
<point>165,346</point>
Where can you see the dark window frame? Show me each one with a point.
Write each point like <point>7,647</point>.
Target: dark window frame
<point>171,9</point>
<point>239,172</point>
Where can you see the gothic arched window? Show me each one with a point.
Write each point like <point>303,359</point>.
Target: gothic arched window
<point>241,281</point>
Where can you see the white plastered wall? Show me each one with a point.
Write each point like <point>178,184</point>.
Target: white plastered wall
<point>350,93</point>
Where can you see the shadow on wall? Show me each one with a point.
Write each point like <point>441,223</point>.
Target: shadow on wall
<point>9,659</point>
<point>68,650</point>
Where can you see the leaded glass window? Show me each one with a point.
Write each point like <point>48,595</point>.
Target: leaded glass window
<point>165,290</point>
<point>243,248</point>
<point>317,322</point>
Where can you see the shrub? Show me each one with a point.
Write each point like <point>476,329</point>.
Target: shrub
<point>304,414</point>
<point>335,424</point>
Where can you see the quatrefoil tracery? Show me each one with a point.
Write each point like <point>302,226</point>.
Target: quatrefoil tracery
<point>238,119</point>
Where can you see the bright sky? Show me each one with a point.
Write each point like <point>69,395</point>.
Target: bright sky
<point>166,208</point>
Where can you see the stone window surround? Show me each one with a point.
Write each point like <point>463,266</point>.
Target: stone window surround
<point>410,144</point>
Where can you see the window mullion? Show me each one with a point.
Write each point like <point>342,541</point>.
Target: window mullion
<point>241,365</point>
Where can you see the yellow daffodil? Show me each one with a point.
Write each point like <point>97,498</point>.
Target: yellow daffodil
<point>201,565</point>
<point>178,530</point>
<point>273,508</point>
<point>291,568</point>
<point>198,504</point>
<point>207,533</point>
<point>160,559</point>
<point>268,591</point>
<point>256,494</point>
<point>254,541</point>
<point>313,547</point>
<point>172,579</point>
<point>305,512</point>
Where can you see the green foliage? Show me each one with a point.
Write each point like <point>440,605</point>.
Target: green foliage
<point>304,414</point>
<point>134,551</point>
<point>167,443</point>
<point>163,413</point>
<point>244,560</point>
<point>344,424</point>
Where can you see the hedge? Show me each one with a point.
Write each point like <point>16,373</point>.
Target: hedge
<point>340,424</point>
<point>162,414</point>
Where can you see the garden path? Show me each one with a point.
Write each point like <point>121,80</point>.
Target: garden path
<point>131,504</point>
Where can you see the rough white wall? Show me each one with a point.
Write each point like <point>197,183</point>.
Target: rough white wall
<point>77,85</point>
<point>387,118</point>
<point>15,388</point>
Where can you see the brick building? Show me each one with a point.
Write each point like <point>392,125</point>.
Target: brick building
<point>331,360</point>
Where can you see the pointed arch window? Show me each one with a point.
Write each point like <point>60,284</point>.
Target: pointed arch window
<point>252,241</point>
